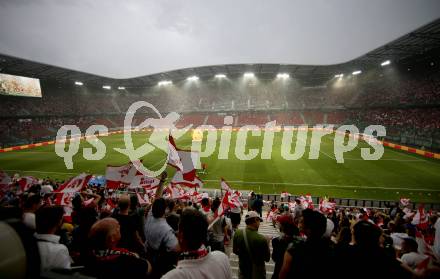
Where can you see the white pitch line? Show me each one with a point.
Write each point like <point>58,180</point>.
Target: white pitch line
<point>328,185</point>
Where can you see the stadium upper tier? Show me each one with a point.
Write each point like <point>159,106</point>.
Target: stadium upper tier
<point>371,89</point>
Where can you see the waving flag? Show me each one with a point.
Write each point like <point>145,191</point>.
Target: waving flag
<point>421,219</point>
<point>120,176</point>
<point>326,206</point>
<point>223,206</point>
<point>307,201</point>
<point>183,160</point>
<point>67,191</point>
<point>143,181</point>
<point>173,156</point>
<point>25,182</point>
<point>179,179</point>
<point>225,186</point>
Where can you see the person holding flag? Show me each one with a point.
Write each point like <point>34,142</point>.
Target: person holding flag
<point>217,229</point>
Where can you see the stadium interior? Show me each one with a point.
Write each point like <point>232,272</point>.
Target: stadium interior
<point>106,219</point>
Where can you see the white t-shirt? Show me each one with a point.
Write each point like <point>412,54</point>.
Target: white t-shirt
<point>412,259</point>
<point>213,266</point>
<point>52,253</point>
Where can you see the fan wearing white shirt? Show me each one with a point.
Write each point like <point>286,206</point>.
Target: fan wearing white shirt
<point>410,255</point>
<point>53,254</point>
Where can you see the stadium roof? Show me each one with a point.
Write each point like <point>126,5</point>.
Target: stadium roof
<point>409,46</point>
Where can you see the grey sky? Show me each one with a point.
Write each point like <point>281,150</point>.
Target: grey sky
<point>126,38</point>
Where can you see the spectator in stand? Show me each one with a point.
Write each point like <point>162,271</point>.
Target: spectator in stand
<point>31,205</point>
<point>206,206</point>
<point>311,255</point>
<point>130,238</point>
<point>53,255</point>
<point>367,249</point>
<point>161,243</point>
<point>252,248</point>
<point>171,216</point>
<point>195,260</point>
<point>106,260</point>
<point>297,209</point>
<point>251,201</point>
<point>288,232</point>
<point>218,231</point>
<point>397,233</point>
<point>137,213</point>
<point>410,256</point>
<point>87,216</point>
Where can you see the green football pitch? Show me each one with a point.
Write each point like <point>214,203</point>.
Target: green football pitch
<point>397,174</point>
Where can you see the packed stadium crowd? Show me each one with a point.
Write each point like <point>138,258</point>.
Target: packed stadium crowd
<point>407,106</point>
<point>112,234</point>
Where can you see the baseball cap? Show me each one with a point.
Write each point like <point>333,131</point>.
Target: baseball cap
<point>252,214</point>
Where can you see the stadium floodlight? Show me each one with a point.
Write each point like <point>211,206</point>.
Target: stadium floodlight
<point>249,75</point>
<point>164,82</point>
<point>385,63</point>
<point>283,75</point>
<point>121,87</point>
<point>339,76</point>
<point>108,87</point>
<point>79,83</point>
<point>193,78</point>
<point>220,76</point>
<point>356,73</point>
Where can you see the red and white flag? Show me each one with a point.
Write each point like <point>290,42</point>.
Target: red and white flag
<point>173,155</point>
<point>235,202</point>
<point>308,202</point>
<point>120,176</point>
<point>67,191</point>
<point>5,180</point>
<point>174,191</point>
<point>184,160</point>
<point>326,206</point>
<point>25,182</point>
<point>420,219</point>
<point>223,206</point>
<point>143,181</point>
<point>179,179</point>
<point>225,186</point>
<point>75,184</point>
